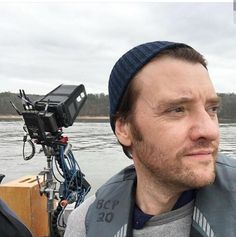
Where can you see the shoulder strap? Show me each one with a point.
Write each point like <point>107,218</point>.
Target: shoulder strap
<point>111,213</point>
<point>215,212</point>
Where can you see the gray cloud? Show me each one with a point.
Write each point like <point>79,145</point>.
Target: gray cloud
<point>43,45</point>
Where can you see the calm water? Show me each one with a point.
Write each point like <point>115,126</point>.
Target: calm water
<point>94,147</point>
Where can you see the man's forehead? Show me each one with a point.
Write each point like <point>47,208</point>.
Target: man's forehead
<point>176,77</point>
<point>166,64</point>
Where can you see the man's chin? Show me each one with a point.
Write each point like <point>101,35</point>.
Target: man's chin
<point>204,180</point>
<point>202,173</point>
<point>200,176</point>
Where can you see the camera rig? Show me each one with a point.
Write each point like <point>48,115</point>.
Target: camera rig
<point>44,120</point>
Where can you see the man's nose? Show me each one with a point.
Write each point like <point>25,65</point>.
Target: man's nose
<point>204,126</point>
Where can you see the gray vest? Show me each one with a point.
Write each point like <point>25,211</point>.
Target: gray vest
<point>214,213</point>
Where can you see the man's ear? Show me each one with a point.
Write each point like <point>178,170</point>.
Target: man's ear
<point>122,131</point>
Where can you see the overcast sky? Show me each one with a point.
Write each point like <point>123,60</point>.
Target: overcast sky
<point>43,45</point>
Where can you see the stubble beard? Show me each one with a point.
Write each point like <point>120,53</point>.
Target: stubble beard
<point>174,172</point>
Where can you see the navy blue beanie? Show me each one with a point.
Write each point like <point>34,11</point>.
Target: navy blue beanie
<point>127,66</point>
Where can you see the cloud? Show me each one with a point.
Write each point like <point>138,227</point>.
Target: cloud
<point>46,44</point>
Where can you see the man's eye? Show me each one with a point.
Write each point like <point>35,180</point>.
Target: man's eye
<point>213,109</point>
<point>179,109</point>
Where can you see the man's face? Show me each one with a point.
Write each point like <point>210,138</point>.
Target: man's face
<point>175,128</point>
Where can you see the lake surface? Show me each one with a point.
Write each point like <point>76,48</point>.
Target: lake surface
<point>94,146</point>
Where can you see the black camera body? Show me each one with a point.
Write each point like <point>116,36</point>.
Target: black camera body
<point>59,108</point>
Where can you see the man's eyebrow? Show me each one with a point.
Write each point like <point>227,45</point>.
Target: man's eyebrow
<point>172,102</point>
<point>214,100</point>
<point>185,100</point>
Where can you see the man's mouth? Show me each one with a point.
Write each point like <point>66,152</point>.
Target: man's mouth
<point>201,154</point>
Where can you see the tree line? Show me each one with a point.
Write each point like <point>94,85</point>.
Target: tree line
<point>98,105</point>
<point>95,105</point>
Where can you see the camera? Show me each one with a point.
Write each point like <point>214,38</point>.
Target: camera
<point>44,120</point>
<point>59,108</point>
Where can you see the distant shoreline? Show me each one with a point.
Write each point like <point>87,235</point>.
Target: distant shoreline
<point>91,119</point>
<point>10,117</point>
<point>79,118</point>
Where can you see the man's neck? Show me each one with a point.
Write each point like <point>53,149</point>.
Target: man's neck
<point>155,198</point>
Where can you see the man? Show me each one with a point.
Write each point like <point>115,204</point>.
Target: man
<point>163,111</point>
